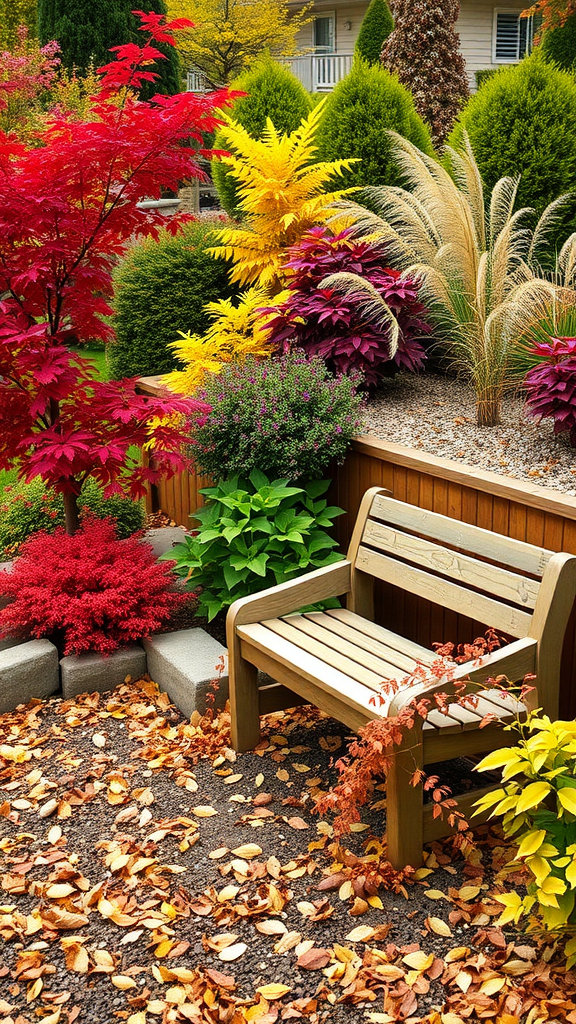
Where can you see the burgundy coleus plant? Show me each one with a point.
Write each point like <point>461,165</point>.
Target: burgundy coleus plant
<point>68,208</point>
<point>551,386</point>
<point>326,322</point>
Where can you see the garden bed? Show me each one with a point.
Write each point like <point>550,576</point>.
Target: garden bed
<point>436,414</point>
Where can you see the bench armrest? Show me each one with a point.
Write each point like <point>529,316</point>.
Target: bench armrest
<point>329,581</point>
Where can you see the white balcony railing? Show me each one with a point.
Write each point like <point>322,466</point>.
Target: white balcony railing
<point>320,72</point>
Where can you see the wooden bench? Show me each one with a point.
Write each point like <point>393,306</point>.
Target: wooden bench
<point>338,659</point>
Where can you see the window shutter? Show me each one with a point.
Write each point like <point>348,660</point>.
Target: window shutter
<point>507,37</point>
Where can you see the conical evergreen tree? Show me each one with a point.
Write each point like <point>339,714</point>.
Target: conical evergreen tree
<point>87,29</point>
<point>424,52</point>
<point>374,31</point>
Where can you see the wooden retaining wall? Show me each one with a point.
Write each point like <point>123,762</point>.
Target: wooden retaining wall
<point>514,508</point>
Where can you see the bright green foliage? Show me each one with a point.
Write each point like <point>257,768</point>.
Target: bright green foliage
<point>254,534</point>
<point>289,417</point>
<point>522,121</point>
<point>272,91</point>
<point>537,805</point>
<point>360,111</point>
<point>559,44</point>
<point>376,26</point>
<point>161,288</point>
<point>12,14</point>
<point>87,29</point>
<point>27,508</point>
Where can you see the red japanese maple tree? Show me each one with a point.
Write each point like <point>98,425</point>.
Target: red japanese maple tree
<point>68,207</point>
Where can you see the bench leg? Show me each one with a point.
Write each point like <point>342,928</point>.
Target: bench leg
<point>244,708</point>
<point>404,806</point>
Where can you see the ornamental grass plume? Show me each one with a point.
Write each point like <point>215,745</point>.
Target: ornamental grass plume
<point>282,193</point>
<point>476,261</point>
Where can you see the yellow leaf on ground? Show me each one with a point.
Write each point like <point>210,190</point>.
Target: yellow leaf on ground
<point>204,812</point>
<point>233,952</point>
<point>419,960</point>
<point>273,991</point>
<point>248,851</point>
<point>438,926</point>
<point>123,982</point>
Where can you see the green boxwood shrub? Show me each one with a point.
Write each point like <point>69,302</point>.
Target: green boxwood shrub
<point>559,44</point>
<point>358,114</point>
<point>523,121</point>
<point>484,75</point>
<point>159,289</point>
<point>27,508</point>
<point>272,92</point>
<point>376,26</point>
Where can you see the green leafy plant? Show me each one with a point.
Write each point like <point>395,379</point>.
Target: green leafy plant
<point>159,289</point>
<point>559,44</point>
<point>272,91</point>
<point>358,114</point>
<point>28,508</point>
<point>537,806</point>
<point>254,534</point>
<point>376,26</point>
<point>521,122</point>
<point>289,417</point>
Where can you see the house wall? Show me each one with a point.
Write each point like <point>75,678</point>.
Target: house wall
<point>475,26</point>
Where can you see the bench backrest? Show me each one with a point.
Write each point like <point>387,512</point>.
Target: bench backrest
<point>490,578</point>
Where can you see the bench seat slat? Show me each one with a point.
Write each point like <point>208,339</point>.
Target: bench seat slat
<point>470,572</point>
<point>313,669</point>
<point>403,663</point>
<point>386,636</point>
<point>350,668</point>
<point>445,593</point>
<point>315,628</point>
<point>515,553</point>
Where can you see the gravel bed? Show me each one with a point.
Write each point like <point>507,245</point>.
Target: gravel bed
<point>437,415</point>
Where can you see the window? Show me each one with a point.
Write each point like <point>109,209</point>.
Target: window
<point>512,37</point>
<point>324,33</point>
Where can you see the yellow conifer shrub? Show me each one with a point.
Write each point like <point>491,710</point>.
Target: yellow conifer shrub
<point>282,194</point>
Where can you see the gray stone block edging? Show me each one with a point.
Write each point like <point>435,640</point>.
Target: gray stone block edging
<point>27,671</point>
<point>88,673</point>
<point>184,664</point>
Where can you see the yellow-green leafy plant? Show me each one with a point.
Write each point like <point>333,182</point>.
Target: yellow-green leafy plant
<point>282,193</point>
<point>236,332</point>
<point>476,259</point>
<point>537,805</point>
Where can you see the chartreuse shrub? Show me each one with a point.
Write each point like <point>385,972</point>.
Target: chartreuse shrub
<point>160,288</point>
<point>359,113</point>
<point>537,806</point>
<point>27,508</point>
<point>289,417</point>
<point>89,592</point>
<point>253,534</point>
<point>522,122</point>
<point>376,26</point>
<point>272,91</point>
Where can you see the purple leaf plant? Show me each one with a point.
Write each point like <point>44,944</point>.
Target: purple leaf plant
<point>551,386</point>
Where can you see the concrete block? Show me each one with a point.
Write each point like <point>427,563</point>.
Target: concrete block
<point>9,642</point>
<point>183,664</point>
<point>88,673</point>
<point>162,539</point>
<point>27,671</point>
<point>4,599</point>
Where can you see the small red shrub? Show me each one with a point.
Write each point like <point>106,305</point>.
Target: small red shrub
<point>91,591</point>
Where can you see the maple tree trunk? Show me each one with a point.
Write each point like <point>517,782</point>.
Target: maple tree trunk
<point>71,513</point>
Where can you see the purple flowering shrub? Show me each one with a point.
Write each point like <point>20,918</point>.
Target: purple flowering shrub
<point>551,386</point>
<point>287,416</point>
<point>337,327</point>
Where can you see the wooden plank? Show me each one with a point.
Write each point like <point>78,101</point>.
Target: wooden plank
<point>386,636</point>
<point>516,554</point>
<point>337,641</point>
<point>441,747</point>
<point>327,655</point>
<point>480,480</point>
<point>275,697</point>
<point>469,571</point>
<point>445,593</point>
<point>329,581</point>
<point>436,828</point>
<point>402,663</point>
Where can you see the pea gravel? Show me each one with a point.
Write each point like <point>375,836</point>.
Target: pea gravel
<point>437,415</point>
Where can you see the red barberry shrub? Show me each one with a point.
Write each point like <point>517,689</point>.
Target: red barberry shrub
<point>89,592</point>
<point>551,386</point>
<point>336,324</point>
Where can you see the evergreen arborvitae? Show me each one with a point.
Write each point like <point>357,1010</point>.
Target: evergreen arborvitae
<point>272,91</point>
<point>423,51</point>
<point>87,29</point>
<point>374,31</point>
<point>559,44</point>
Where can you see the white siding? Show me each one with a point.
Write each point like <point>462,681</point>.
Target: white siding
<point>475,26</point>
<point>345,39</point>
